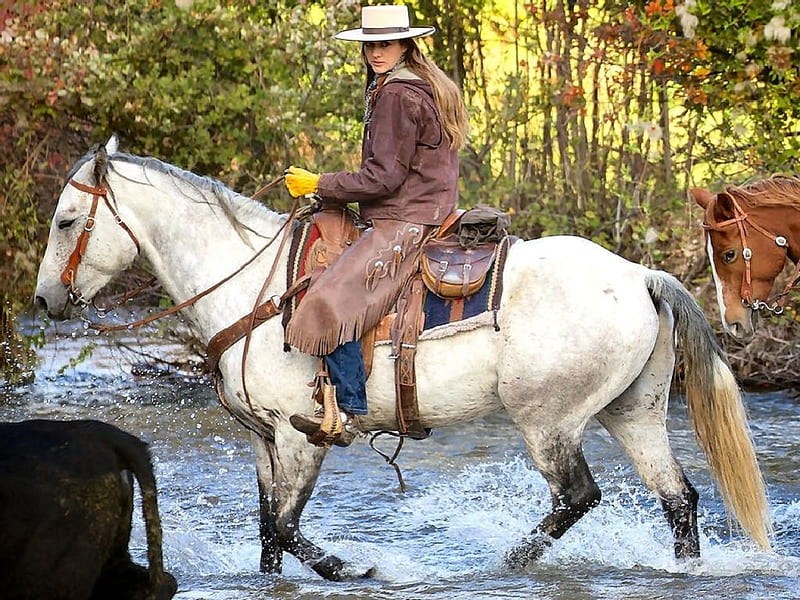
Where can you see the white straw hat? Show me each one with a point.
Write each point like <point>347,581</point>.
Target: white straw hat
<point>383,23</point>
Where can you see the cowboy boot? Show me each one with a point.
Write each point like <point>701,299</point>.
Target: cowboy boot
<point>311,425</point>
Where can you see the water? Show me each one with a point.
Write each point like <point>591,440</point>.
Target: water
<point>471,494</point>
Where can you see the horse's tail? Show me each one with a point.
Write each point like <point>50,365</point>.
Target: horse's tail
<point>716,410</point>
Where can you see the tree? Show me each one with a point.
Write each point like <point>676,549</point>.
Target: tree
<point>587,118</point>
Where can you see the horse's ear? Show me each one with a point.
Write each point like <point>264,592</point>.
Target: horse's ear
<point>112,145</point>
<point>722,208</point>
<point>701,196</point>
<point>718,207</point>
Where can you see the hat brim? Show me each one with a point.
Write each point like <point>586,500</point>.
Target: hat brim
<point>357,35</point>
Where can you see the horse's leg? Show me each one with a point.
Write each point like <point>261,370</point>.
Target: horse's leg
<point>637,420</point>
<point>287,469</point>
<point>271,552</point>
<point>558,456</point>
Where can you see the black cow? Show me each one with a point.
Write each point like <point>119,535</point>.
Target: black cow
<point>66,503</point>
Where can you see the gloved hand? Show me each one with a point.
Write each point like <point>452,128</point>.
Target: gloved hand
<point>300,182</point>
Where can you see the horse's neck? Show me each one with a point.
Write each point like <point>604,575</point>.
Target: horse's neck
<point>192,245</point>
<point>785,221</point>
<point>793,224</point>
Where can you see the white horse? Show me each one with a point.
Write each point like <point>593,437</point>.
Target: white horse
<point>582,333</point>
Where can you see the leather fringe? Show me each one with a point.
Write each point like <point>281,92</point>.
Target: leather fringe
<point>354,294</point>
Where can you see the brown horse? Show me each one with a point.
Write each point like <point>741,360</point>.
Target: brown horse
<point>750,232</point>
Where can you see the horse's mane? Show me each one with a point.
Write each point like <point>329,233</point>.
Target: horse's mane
<point>236,207</point>
<point>204,185</point>
<point>211,191</point>
<point>774,190</point>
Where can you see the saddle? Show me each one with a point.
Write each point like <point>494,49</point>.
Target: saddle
<point>338,228</point>
<point>446,269</point>
<point>450,271</point>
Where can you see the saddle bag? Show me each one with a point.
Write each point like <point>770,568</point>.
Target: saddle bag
<point>450,271</point>
<point>482,224</point>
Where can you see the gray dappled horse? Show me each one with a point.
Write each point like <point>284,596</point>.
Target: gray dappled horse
<point>581,333</point>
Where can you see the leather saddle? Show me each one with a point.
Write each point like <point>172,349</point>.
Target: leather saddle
<point>446,269</point>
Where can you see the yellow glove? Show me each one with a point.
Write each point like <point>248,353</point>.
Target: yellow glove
<point>300,182</point>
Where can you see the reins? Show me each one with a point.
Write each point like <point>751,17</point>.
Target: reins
<point>259,298</point>
<point>68,275</point>
<point>773,304</point>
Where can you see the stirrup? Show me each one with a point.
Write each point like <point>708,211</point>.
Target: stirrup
<point>331,428</point>
<point>311,426</point>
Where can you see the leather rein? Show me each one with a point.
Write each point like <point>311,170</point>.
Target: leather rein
<point>774,304</point>
<point>69,273</point>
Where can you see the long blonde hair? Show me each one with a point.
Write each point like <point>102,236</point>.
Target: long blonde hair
<point>446,94</point>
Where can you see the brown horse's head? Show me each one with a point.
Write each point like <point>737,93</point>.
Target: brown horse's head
<point>747,243</point>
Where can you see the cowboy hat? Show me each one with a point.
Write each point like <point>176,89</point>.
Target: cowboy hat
<point>384,23</point>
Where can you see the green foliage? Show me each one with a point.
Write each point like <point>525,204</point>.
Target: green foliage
<point>736,64</point>
<point>587,118</point>
<point>211,88</point>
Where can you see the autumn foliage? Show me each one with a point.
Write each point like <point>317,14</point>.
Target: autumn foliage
<point>587,118</point>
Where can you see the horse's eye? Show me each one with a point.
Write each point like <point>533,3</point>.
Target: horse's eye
<point>729,256</point>
<point>66,224</point>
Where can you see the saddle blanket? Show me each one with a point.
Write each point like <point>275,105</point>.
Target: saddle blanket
<point>439,311</point>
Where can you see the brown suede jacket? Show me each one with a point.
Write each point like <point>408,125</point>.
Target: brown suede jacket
<point>408,171</point>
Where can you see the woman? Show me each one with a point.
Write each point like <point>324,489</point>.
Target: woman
<point>415,121</point>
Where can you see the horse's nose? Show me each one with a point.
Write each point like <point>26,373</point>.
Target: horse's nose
<point>742,331</point>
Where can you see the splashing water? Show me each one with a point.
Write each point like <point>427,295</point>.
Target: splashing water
<point>472,495</point>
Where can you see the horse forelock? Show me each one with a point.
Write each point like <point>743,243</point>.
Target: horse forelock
<point>772,191</point>
<point>80,162</point>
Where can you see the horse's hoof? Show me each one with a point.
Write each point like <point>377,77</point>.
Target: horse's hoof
<point>368,573</point>
<point>530,550</point>
<point>330,567</point>
<point>333,568</point>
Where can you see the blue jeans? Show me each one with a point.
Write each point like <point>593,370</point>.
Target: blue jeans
<point>346,368</point>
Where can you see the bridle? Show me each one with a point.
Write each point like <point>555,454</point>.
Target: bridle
<point>775,303</point>
<point>69,273</point>
<point>101,191</point>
